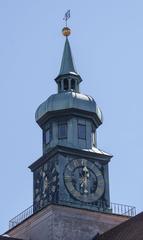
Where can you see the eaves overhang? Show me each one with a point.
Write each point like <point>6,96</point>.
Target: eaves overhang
<point>70,112</point>
<point>79,153</point>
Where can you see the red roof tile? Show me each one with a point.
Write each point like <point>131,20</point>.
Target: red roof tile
<point>131,229</point>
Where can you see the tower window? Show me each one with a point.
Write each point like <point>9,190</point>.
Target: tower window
<point>62,130</point>
<point>59,86</point>
<point>81,131</point>
<point>66,84</point>
<point>93,135</point>
<point>48,135</point>
<point>93,138</point>
<point>73,84</point>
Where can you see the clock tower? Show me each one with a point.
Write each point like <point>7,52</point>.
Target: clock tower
<point>71,197</point>
<point>72,170</point>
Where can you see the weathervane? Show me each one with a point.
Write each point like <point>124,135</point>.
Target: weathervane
<point>66,31</point>
<point>67,16</point>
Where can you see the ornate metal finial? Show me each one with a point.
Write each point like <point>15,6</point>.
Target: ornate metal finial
<point>66,31</point>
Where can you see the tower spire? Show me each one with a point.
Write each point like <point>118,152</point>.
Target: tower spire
<point>68,78</point>
<point>67,64</point>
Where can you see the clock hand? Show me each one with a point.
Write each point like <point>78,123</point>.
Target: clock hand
<point>84,179</point>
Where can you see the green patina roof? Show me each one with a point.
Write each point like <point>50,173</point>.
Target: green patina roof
<point>67,100</point>
<point>67,65</point>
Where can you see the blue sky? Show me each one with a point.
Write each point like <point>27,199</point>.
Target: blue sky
<point>106,42</point>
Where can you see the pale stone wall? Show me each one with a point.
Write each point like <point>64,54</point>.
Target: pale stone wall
<point>65,223</point>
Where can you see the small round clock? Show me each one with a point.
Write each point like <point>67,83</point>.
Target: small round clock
<point>84,180</point>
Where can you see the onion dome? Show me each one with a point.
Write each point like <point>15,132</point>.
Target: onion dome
<point>69,100</point>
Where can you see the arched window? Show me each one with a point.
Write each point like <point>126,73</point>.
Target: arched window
<point>66,84</point>
<point>73,84</point>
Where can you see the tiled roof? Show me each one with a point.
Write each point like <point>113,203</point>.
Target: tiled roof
<point>131,229</point>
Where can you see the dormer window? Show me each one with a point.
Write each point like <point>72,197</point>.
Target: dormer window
<point>66,84</point>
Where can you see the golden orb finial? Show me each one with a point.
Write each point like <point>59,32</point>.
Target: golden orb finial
<point>66,31</point>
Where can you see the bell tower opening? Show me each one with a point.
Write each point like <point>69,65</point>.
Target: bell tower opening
<point>59,87</point>
<point>72,84</point>
<point>66,84</point>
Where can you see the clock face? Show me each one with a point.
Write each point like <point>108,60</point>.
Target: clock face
<point>45,184</point>
<point>84,180</point>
